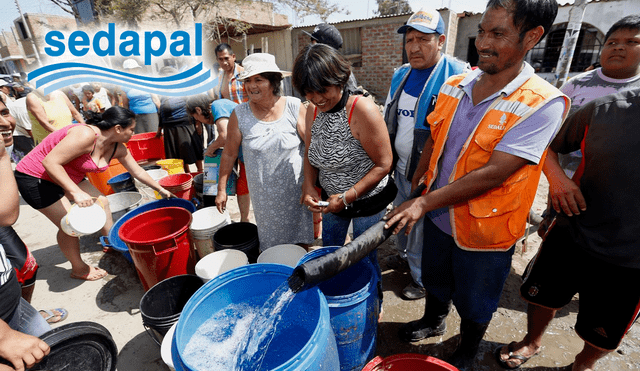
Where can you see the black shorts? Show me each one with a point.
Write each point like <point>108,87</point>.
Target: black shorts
<point>38,193</point>
<point>609,295</point>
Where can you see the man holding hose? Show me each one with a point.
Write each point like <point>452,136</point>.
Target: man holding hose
<point>490,131</point>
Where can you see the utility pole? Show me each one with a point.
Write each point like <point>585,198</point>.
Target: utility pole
<point>570,40</point>
<point>26,27</point>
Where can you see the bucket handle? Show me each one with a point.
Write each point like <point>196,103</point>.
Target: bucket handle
<point>151,334</point>
<point>165,251</point>
<point>105,242</point>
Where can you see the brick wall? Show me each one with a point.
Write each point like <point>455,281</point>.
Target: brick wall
<point>381,54</point>
<point>381,48</point>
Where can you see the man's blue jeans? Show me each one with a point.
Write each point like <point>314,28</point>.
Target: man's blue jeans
<point>27,319</point>
<point>472,279</point>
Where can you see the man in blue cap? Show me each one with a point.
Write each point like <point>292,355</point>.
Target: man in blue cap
<point>412,96</point>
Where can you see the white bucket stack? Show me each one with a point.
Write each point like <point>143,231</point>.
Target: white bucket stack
<point>155,174</point>
<point>204,225</point>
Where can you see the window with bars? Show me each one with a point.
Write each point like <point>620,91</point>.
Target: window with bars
<point>544,56</point>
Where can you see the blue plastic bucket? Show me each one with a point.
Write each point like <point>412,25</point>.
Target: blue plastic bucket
<point>303,340</point>
<point>354,306</point>
<point>122,183</point>
<point>113,241</point>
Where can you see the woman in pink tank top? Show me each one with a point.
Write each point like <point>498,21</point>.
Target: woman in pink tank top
<point>52,175</point>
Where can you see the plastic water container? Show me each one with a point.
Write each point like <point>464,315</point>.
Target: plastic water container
<point>160,244</point>
<point>172,165</point>
<point>155,174</point>
<point>354,306</point>
<point>204,225</point>
<point>218,262</point>
<point>241,236</point>
<point>160,307</point>
<point>122,183</point>
<point>282,254</point>
<point>121,203</point>
<point>178,184</point>
<point>303,341</point>
<point>82,221</point>
<point>99,180</point>
<point>145,146</point>
<point>113,240</point>
<point>408,362</point>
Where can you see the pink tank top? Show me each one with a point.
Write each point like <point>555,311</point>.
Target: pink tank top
<point>77,168</point>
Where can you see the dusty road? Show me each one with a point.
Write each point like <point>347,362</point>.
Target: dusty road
<point>114,300</point>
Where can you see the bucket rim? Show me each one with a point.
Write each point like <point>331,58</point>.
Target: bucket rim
<point>302,359</point>
<point>175,234</point>
<point>338,301</point>
<point>174,317</point>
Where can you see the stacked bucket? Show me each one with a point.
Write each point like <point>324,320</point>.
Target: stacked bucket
<point>206,222</point>
<point>178,184</point>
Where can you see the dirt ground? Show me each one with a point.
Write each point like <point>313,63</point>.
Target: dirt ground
<point>114,303</point>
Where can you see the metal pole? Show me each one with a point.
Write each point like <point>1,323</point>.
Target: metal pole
<point>570,40</point>
<point>26,27</point>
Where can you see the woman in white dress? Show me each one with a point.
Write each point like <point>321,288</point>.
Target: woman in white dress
<point>271,129</point>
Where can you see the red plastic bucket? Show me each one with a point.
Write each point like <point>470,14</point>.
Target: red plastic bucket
<point>160,244</point>
<point>408,362</point>
<point>146,146</point>
<point>178,184</point>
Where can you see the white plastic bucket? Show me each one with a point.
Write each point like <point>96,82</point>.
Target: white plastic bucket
<point>282,254</point>
<point>155,174</point>
<point>204,225</point>
<point>219,262</point>
<point>165,348</point>
<point>82,221</point>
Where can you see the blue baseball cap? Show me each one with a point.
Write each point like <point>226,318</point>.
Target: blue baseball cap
<point>426,21</point>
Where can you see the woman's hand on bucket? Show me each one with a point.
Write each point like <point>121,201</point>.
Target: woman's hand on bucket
<point>221,201</point>
<point>166,194</point>
<point>82,198</point>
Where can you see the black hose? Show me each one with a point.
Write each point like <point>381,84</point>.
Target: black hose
<point>326,266</point>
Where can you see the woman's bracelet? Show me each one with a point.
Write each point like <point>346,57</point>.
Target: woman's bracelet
<point>356,192</point>
<point>343,196</point>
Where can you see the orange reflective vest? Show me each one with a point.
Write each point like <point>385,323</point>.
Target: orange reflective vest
<point>495,220</point>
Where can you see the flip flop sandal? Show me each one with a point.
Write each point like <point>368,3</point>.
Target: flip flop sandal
<point>503,363</point>
<point>51,317</point>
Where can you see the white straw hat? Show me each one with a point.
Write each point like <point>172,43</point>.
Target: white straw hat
<point>130,63</point>
<point>258,63</point>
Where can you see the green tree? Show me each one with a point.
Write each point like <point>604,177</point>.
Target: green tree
<point>391,7</point>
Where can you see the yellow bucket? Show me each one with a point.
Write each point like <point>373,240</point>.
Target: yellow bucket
<point>172,165</point>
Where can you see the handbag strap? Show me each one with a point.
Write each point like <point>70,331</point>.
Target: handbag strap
<point>352,107</point>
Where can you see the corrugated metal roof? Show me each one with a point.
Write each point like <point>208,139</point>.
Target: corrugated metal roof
<point>466,13</point>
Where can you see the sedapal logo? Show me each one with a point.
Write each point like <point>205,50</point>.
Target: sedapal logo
<point>71,49</point>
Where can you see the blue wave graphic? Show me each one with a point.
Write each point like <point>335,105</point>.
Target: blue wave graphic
<point>193,81</point>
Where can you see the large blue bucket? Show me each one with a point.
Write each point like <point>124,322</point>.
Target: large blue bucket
<point>354,306</point>
<point>303,340</point>
<point>114,240</point>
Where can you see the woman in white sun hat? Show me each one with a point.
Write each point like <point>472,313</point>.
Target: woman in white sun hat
<point>271,129</point>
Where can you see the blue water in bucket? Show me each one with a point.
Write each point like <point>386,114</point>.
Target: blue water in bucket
<point>303,340</point>
<point>354,306</point>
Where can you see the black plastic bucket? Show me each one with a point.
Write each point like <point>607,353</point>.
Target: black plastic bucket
<point>79,346</point>
<point>241,236</point>
<point>162,304</point>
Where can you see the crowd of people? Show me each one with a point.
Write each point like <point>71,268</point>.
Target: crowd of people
<point>472,142</point>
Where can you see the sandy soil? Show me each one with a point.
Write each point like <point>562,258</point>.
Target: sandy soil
<point>114,303</point>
